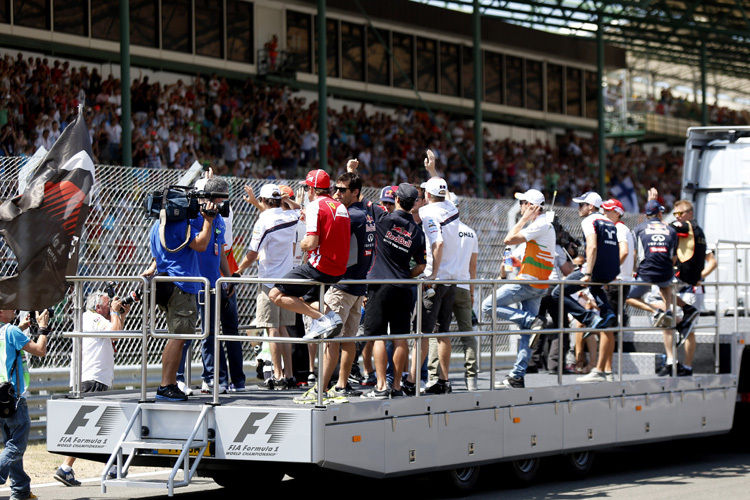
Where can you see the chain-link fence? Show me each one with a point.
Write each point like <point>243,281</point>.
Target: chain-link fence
<point>115,243</point>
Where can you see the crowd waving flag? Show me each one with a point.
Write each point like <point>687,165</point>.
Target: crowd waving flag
<point>43,225</point>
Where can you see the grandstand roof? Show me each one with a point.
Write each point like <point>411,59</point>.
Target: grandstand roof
<point>668,30</point>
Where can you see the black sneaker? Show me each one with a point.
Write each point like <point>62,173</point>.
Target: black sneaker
<point>397,393</point>
<point>666,370</point>
<point>409,388</point>
<point>280,384</point>
<point>66,478</point>
<point>347,392</point>
<point>376,394</point>
<point>439,388</point>
<point>291,383</point>
<point>355,376</point>
<point>689,313</point>
<point>684,371</point>
<point>512,383</point>
<point>170,393</point>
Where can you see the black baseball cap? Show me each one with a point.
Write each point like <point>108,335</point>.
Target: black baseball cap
<point>407,192</point>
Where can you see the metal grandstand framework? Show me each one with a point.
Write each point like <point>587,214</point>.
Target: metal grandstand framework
<point>691,32</point>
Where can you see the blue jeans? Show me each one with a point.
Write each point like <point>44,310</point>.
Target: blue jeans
<point>529,299</point>
<point>15,435</point>
<point>588,317</point>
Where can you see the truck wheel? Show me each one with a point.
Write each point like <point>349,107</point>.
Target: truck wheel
<point>524,471</point>
<point>464,479</point>
<point>236,480</point>
<point>579,464</point>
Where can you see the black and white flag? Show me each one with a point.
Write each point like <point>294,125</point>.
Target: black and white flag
<point>43,225</point>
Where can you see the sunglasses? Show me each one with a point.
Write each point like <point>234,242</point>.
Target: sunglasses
<point>581,205</point>
<point>677,214</point>
<point>342,189</point>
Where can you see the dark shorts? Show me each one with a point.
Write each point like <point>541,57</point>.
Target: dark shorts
<point>613,294</point>
<point>437,310</point>
<point>308,293</point>
<point>387,305</point>
<point>93,386</point>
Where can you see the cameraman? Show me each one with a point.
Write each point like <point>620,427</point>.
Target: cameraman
<point>98,358</point>
<point>181,310</point>
<point>16,427</point>
<point>213,264</point>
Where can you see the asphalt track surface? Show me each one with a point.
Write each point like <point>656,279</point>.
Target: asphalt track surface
<point>707,468</point>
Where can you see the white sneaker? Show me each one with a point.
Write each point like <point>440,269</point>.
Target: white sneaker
<point>185,388</point>
<point>337,323</point>
<point>594,376</point>
<point>320,327</point>
<point>207,388</point>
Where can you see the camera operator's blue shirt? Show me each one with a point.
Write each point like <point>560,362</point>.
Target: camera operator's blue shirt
<point>181,263</point>
<point>209,260</point>
<point>12,342</point>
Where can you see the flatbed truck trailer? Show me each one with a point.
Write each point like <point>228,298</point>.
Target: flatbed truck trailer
<point>458,433</point>
<point>222,436</point>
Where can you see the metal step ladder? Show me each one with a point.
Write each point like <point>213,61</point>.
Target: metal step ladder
<point>159,436</point>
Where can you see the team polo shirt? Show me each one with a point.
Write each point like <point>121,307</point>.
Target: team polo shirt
<point>627,267</point>
<point>12,342</point>
<point>329,220</point>
<point>440,223</point>
<point>656,243</point>
<point>274,236</point>
<point>209,260</point>
<point>607,265</point>
<point>691,251</point>
<point>399,239</point>
<point>361,247</point>
<point>181,263</point>
<point>468,245</point>
<point>539,256</point>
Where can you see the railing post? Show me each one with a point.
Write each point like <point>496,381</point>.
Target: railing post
<point>418,342</point>
<point>320,347</point>
<point>215,323</point>
<point>621,313</point>
<point>77,342</point>
<point>493,358</point>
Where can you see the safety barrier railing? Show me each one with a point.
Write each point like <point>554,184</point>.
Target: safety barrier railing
<point>735,247</point>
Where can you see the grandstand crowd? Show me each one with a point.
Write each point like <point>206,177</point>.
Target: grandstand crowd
<point>259,130</point>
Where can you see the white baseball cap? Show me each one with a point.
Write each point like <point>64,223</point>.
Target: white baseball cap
<point>591,198</point>
<point>533,196</point>
<point>270,191</point>
<point>437,187</point>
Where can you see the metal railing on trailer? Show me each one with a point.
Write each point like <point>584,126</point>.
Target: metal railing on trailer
<point>149,331</point>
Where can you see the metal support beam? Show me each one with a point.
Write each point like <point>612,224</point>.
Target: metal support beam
<point>126,116</point>
<point>478,93</point>
<point>600,106</point>
<point>704,90</point>
<point>322,88</point>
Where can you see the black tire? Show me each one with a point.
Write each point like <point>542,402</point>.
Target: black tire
<point>236,480</point>
<point>462,480</point>
<point>579,464</point>
<point>524,471</point>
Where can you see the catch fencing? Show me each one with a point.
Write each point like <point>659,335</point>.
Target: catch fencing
<point>115,243</point>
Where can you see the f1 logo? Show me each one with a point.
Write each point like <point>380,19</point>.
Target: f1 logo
<point>105,423</point>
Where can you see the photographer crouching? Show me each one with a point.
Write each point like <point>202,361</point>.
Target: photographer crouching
<point>175,244</point>
<point>14,412</point>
